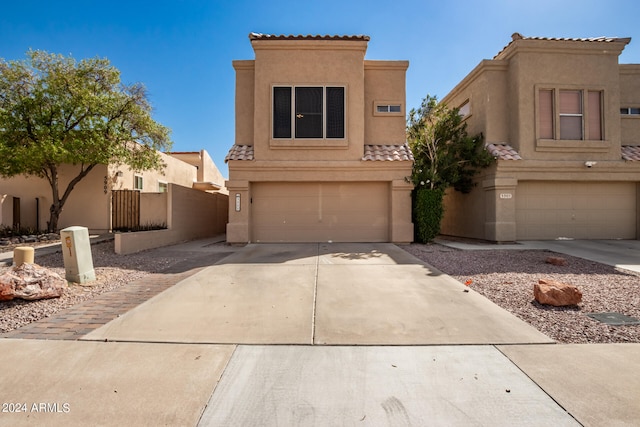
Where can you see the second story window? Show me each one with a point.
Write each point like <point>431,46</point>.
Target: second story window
<point>308,112</point>
<point>570,114</point>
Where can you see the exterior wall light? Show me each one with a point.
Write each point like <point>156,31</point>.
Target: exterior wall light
<point>237,202</point>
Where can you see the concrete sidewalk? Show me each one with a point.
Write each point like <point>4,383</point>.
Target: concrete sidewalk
<point>187,362</point>
<point>617,253</point>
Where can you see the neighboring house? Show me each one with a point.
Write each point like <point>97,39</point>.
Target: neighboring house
<point>320,153</point>
<point>25,200</point>
<point>562,117</point>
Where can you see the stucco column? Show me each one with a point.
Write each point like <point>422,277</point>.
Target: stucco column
<point>401,225</point>
<point>500,209</point>
<point>239,207</point>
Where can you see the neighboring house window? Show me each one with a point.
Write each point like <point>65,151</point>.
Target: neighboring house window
<point>630,111</point>
<point>308,112</point>
<point>137,182</point>
<point>465,109</point>
<point>579,114</point>
<point>163,187</point>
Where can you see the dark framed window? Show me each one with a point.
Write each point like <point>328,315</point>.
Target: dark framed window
<point>308,112</point>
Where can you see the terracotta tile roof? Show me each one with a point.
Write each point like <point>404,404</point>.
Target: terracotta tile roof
<point>503,152</point>
<point>631,152</point>
<point>518,36</point>
<point>240,152</point>
<point>259,36</point>
<point>387,153</point>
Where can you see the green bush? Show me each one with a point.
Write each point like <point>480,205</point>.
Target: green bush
<point>427,213</point>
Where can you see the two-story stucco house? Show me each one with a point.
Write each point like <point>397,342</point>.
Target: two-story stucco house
<point>562,117</point>
<point>320,151</point>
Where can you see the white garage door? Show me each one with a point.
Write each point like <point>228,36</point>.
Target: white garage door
<point>320,212</point>
<point>579,210</point>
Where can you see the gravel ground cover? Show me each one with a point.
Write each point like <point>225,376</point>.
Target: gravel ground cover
<point>506,277</point>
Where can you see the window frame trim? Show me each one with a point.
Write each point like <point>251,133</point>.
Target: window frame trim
<point>387,103</point>
<point>571,145</point>
<point>629,114</point>
<point>135,181</point>
<point>319,143</point>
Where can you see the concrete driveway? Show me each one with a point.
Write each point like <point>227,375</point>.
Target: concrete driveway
<point>349,294</point>
<point>199,353</point>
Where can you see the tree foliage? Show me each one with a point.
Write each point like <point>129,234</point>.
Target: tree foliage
<point>445,156</point>
<point>55,110</point>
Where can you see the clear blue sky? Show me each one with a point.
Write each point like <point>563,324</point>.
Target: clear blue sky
<point>182,50</point>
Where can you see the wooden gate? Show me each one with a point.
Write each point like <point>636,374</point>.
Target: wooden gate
<point>125,210</point>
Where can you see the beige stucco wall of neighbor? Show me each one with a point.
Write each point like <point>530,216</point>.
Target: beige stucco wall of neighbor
<point>630,98</point>
<point>191,214</point>
<point>89,204</point>
<point>153,208</point>
<point>206,170</point>
<point>503,97</point>
<point>292,162</point>
<point>176,171</point>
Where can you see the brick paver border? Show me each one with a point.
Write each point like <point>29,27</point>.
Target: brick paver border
<point>75,322</point>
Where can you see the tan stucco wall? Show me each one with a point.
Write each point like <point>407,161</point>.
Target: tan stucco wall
<point>191,214</point>
<point>309,62</point>
<point>244,105</point>
<point>176,171</point>
<point>89,204</point>
<point>153,208</point>
<point>384,83</point>
<point>630,97</point>
<point>502,93</point>
<point>206,169</point>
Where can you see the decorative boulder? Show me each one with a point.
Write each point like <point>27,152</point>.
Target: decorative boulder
<point>555,293</point>
<point>31,282</point>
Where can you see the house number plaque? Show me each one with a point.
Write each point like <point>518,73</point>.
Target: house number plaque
<point>506,195</point>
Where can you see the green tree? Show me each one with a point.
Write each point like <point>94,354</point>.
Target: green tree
<point>445,156</point>
<point>55,110</point>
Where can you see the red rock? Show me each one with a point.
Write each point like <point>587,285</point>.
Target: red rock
<point>31,282</point>
<point>556,293</point>
<point>6,291</point>
<point>556,260</point>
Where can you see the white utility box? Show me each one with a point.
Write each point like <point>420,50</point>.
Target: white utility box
<point>76,250</point>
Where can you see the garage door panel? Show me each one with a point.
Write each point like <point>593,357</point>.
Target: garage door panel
<point>579,210</point>
<point>314,212</point>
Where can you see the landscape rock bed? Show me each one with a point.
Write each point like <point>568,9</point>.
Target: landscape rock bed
<point>507,278</point>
